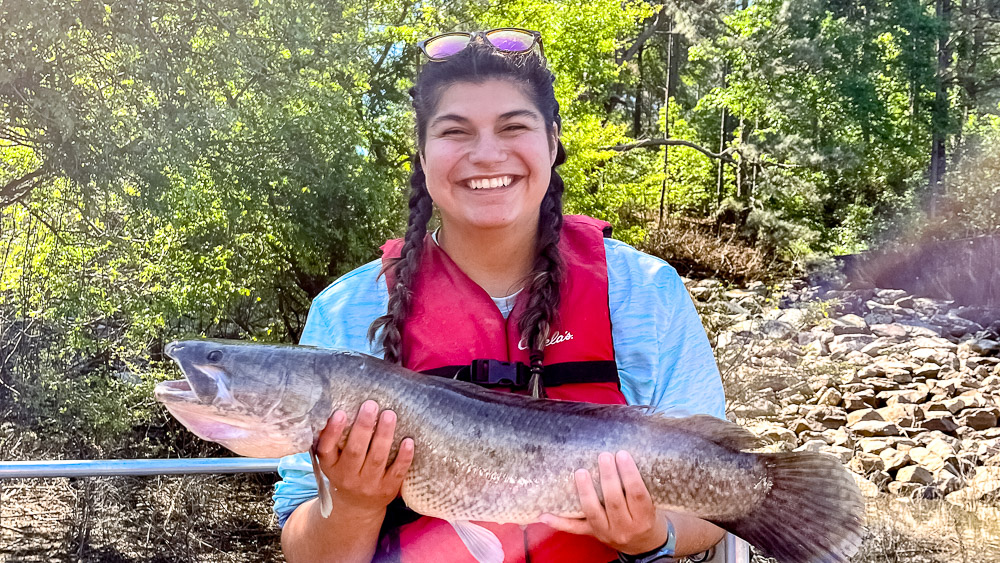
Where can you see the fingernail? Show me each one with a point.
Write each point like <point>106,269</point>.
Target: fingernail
<point>339,417</point>
<point>369,407</point>
<point>388,417</point>
<point>605,458</point>
<point>622,455</point>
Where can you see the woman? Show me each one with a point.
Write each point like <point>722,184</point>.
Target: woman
<point>504,278</point>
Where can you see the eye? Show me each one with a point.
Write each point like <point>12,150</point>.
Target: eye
<point>215,355</point>
<point>452,132</point>
<point>516,127</point>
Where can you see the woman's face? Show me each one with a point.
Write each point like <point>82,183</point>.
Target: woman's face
<point>487,157</point>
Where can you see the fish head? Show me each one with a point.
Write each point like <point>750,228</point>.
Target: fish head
<point>256,400</point>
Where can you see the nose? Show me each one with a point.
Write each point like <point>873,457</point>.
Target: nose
<point>488,149</point>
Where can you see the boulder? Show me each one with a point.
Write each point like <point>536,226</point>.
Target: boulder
<point>849,324</point>
<point>914,474</point>
<point>979,419</point>
<point>873,428</point>
<point>938,421</point>
<point>862,415</point>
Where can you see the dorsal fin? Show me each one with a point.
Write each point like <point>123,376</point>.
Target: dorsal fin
<point>721,432</point>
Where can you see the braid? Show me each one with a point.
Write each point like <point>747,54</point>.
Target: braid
<point>404,268</point>
<point>546,275</point>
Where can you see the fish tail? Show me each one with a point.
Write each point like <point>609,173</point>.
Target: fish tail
<point>813,512</point>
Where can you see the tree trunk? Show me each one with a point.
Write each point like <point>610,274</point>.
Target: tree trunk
<point>637,110</point>
<point>939,117</point>
<point>667,91</point>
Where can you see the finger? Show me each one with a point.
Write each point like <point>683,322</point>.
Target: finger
<point>329,438</point>
<point>614,497</point>
<point>640,504</point>
<point>378,451</point>
<point>353,455</point>
<point>397,471</point>
<point>578,526</point>
<point>591,504</point>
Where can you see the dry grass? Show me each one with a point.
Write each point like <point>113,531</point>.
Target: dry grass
<point>701,249</point>
<point>119,519</point>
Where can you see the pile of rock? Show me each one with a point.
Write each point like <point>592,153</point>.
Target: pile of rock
<point>904,390</point>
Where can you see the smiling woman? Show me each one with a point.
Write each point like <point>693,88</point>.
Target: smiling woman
<point>511,294</point>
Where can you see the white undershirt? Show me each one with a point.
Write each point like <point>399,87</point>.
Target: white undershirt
<point>505,304</point>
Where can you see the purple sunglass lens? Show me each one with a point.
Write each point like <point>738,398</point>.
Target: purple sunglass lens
<point>446,46</point>
<point>511,40</point>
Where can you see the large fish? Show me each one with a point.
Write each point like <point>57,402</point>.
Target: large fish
<point>485,456</point>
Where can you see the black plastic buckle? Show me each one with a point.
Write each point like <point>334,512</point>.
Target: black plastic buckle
<point>497,373</point>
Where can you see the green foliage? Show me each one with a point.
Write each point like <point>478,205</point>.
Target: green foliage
<point>171,169</point>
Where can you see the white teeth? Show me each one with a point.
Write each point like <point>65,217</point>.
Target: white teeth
<point>488,183</point>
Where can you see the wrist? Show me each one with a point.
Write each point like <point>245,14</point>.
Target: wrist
<point>664,552</point>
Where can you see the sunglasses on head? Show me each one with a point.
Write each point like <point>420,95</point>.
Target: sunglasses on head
<point>505,39</point>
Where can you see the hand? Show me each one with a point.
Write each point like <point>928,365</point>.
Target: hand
<point>628,521</point>
<point>358,473</point>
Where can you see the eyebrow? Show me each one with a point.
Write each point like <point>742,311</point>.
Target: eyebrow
<point>509,115</point>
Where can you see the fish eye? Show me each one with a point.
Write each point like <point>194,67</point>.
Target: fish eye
<point>215,355</point>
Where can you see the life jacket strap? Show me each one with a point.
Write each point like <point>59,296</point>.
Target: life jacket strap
<point>517,375</point>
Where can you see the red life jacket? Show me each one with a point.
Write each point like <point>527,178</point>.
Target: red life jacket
<point>452,322</point>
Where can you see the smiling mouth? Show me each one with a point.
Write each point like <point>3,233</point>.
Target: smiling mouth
<point>491,183</point>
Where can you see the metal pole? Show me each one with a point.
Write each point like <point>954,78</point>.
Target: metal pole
<point>112,467</point>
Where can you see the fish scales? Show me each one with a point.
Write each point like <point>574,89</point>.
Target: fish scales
<point>521,464</point>
<point>499,457</point>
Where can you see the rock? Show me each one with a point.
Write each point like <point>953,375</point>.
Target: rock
<point>877,347</point>
<point>854,401</point>
<point>865,463</point>
<point>875,428</point>
<point>944,449</point>
<point>868,488</point>
<point>947,482</point>
<point>830,397</point>
<point>985,346</point>
<point>904,489</point>
<point>886,296</point>
<point>978,419</point>
<point>779,435</point>
<point>936,356</point>
<point>759,407</point>
<point>894,330</point>
<point>873,445</point>
<point>893,459</point>
<point>927,370</point>
<point>811,446</point>
<point>985,484</point>
<point>777,330</point>
<point>914,474</point>
<point>849,324</point>
<point>829,417</point>
<point>934,342</point>
<point>793,317</point>
<point>938,421</point>
<point>861,415</point>
<point>900,414</point>
<point>851,342</point>
<point>802,425</point>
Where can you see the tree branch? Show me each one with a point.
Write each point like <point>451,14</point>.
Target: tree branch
<point>653,27</point>
<point>14,190</point>
<point>655,143</point>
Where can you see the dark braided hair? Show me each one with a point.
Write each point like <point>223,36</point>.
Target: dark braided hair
<point>478,63</point>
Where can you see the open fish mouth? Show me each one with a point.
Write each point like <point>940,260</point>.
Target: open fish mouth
<point>177,390</point>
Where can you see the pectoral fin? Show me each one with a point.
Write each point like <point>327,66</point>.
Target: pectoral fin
<point>322,485</point>
<point>481,543</point>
